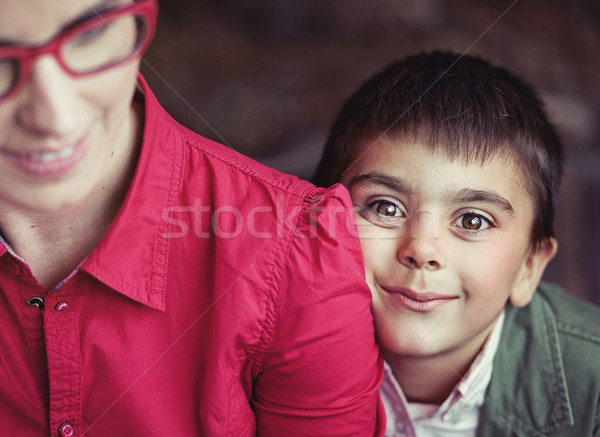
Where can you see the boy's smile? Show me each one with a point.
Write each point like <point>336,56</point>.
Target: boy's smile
<point>423,301</point>
<point>446,243</point>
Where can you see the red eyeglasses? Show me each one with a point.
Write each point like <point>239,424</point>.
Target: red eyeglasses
<point>94,45</point>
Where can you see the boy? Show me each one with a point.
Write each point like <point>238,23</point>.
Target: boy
<point>152,282</point>
<point>453,169</point>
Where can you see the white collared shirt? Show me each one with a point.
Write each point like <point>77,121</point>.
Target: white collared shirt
<point>459,413</point>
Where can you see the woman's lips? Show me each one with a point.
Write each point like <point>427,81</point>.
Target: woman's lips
<point>418,301</point>
<point>49,164</point>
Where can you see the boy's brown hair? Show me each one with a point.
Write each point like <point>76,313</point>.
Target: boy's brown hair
<point>463,105</point>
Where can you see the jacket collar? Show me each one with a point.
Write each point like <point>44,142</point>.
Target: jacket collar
<point>528,392</point>
<point>132,257</point>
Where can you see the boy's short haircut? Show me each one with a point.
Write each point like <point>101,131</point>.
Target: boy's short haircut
<point>462,104</point>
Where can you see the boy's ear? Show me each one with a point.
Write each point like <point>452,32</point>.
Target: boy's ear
<point>531,273</point>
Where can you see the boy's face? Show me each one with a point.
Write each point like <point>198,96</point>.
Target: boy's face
<point>59,136</point>
<point>445,245</point>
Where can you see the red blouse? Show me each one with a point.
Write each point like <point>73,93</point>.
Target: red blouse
<point>226,299</point>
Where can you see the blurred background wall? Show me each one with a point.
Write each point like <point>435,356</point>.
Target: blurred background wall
<point>267,78</point>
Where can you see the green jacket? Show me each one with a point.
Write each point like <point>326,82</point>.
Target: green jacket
<point>546,376</point>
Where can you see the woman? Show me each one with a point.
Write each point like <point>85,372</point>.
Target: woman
<point>139,295</point>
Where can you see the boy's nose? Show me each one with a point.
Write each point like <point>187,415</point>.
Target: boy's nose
<point>420,247</point>
<point>420,263</point>
<point>47,103</point>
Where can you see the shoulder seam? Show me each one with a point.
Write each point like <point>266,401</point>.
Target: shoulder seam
<point>302,188</point>
<point>261,356</point>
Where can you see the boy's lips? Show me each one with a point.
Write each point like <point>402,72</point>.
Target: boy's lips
<point>418,301</point>
<point>49,163</point>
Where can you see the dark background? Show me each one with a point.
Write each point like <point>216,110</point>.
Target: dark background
<point>267,78</point>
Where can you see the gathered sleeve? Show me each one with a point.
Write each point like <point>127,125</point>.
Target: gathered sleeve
<point>322,368</point>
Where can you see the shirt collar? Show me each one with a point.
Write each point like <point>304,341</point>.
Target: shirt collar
<point>474,384</point>
<point>132,256</point>
<point>5,248</point>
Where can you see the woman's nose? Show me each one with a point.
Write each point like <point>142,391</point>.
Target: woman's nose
<point>47,100</point>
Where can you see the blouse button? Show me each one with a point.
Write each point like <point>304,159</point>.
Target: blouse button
<point>66,429</point>
<point>61,306</point>
<point>36,301</point>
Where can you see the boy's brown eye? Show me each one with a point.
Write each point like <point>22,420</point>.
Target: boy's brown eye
<point>471,222</point>
<point>387,209</point>
<point>383,212</point>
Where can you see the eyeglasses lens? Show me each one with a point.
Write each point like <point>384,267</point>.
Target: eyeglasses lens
<point>107,44</point>
<point>9,72</point>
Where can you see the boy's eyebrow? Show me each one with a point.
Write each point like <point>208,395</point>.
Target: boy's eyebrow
<point>468,195</point>
<point>382,179</point>
<point>465,195</point>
